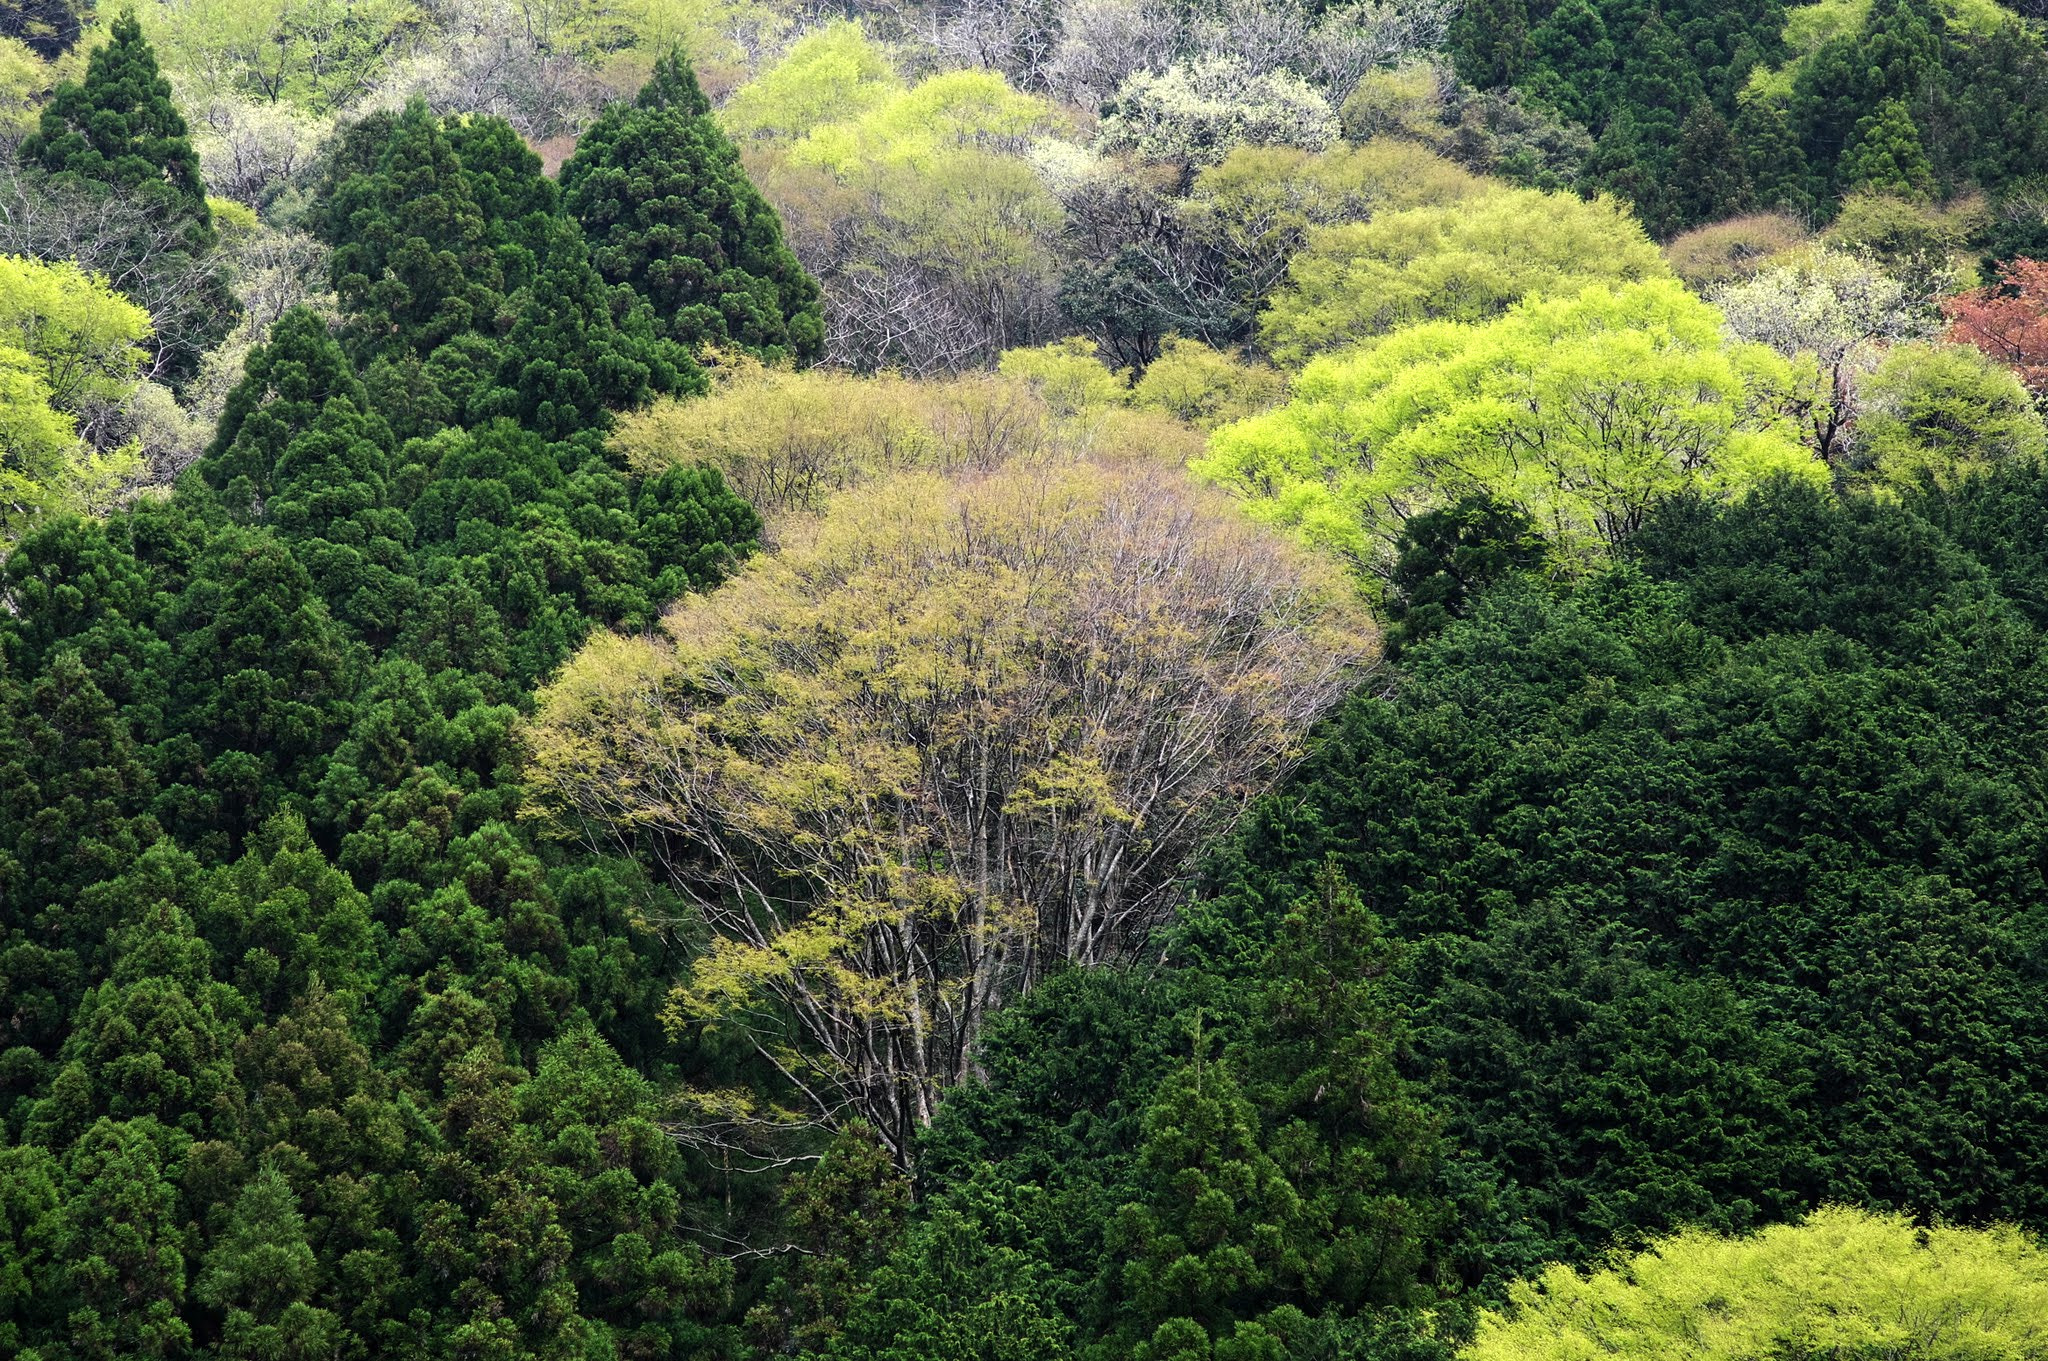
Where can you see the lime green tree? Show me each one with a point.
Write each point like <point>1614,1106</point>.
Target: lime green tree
<point>829,75</point>
<point>916,207</point>
<point>69,351</point>
<point>321,55</point>
<point>1460,261</point>
<point>1941,412</point>
<point>1843,1284</point>
<point>1582,412</point>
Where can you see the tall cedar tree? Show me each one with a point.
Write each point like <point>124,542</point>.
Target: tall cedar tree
<point>413,265</point>
<point>471,296</point>
<point>119,132</point>
<point>670,211</point>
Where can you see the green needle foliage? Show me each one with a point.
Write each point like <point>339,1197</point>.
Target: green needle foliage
<point>311,1050</point>
<point>117,132</point>
<point>469,296</point>
<point>660,192</point>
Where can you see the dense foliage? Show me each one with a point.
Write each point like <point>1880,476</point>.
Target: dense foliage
<point>117,133</point>
<point>1843,1282</point>
<point>716,680</point>
<point>1581,413</point>
<point>1701,111</point>
<point>660,192</point>
<point>311,1049</point>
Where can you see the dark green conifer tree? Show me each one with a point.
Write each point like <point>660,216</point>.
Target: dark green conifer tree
<point>518,202</point>
<point>298,449</point>
<point>261,679</point>
<point>29,1193</point>
<point>119,1240</point>
<point>74,790</point>
<point>1709,174</point>
<point>1219,1245</point>
<point>118,132</point>
<point>259,1273</point>
<point>583,348</point>
<point>846,1212</point>
<point>1489,41</point>
<point>119,127</point>
<point>669,211</point>
<point>1897,55</point>
<point>1447,558</point>
<point>1886,154</point>
<point>1658,87</point>
<point>1778,176</point>
<point>413,261</point>
<point>1571,63</point>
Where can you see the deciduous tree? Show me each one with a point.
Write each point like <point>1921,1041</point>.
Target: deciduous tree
<point>1462,261</point>
<point>1844,1281</point>
<point>1831,312</point>
<point>1582,412</point>
<point>954,735</point>
<point>2008,321</point>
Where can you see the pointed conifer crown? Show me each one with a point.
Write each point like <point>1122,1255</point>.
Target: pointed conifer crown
<point>674,86</point>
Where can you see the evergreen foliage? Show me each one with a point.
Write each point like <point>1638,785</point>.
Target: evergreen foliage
<point>312,1049</point>
<point>470,296</point>
<point>119,127</point>
<point>669,211</point>
<point>1734,912</point>
<point>1705,111</point>
<point>453,903</point>
<point>117,132</point>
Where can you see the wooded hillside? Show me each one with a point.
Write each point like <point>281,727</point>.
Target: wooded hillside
<point>1188,680</point>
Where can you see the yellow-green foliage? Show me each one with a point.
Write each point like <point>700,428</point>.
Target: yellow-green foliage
<point>863,721</point>
<point>324,55</point>
<point>1349,181</point>
<point>709,30</point>
<point>830,75</point>
<point>949,113</point>
<point>1808,28</point>
<point>1393,100</point>
<point>1722,252</point>
<point>1069,374</point>
<point>1845,1284</point>
<point>886,184</point>
<point>1925,246</point>
<point>318,54</point>
<point>1257,207</point>
<point>1190,382</point>
<point>27,81</point>
<point>1941,412</point>
<point>67,349</point>
<point>1206,387</point>
<point>1461,262</point>
<point>1583,411</point>
<point>787,441</point>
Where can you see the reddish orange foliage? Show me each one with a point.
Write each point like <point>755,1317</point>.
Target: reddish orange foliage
<point>2008,321</point>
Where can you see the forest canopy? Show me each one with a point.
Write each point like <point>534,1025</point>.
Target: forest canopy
<point>1180,680</point>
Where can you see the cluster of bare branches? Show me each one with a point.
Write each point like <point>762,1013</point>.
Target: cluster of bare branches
<point>141,251</point>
